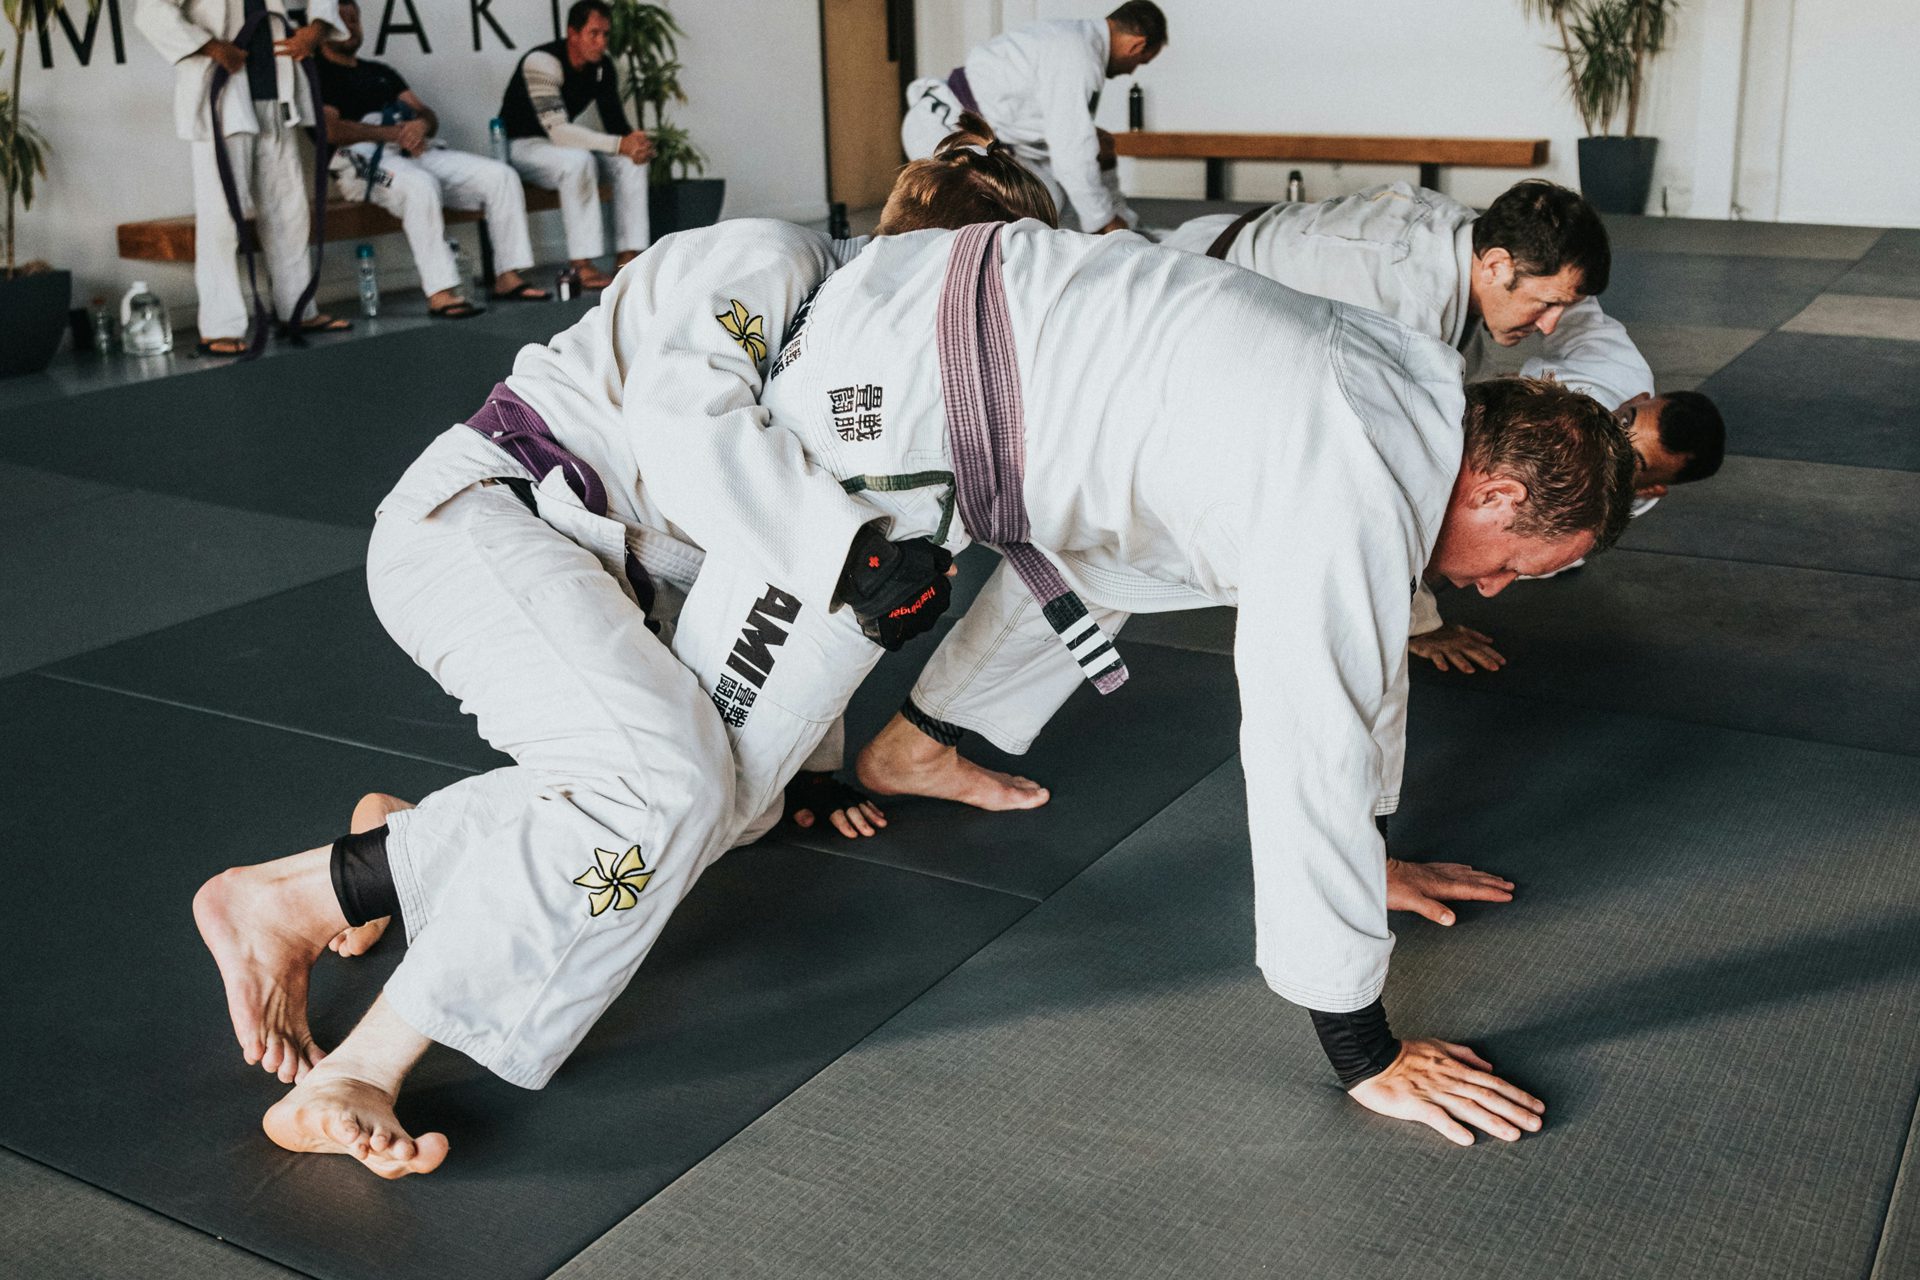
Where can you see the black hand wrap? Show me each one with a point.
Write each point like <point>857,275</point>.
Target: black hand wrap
<point>1358,1044</point>
<point>898,590</point>
<point>819,794</point>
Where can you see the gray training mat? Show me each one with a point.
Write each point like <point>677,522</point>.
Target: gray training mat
<point>322,438</point>
<point>1800,652</point>
<point>1711,983</point>
<point>1816,398</point>
<point>1891,269</point>
<point>1714,289</point>
<point>119,1067</point>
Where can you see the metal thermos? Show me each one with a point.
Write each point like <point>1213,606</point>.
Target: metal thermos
<point>1296,187</point>
<point>1136,109</point>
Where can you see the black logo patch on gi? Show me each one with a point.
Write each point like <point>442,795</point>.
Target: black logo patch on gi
<point>856,412</point>
<point>753,654</point>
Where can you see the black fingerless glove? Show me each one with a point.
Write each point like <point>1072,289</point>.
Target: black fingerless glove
<point>898,590</point>
<point>1358,1044</point>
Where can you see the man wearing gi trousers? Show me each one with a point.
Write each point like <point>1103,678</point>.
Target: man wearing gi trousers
<point>265,102</point>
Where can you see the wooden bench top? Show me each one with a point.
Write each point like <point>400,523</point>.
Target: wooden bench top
<point>1488,153</point>
<point>171,239</point>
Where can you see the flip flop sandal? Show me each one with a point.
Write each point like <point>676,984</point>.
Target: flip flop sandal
<point>525,291</point>
<point>214,347</point>
<point>454,311</point>
<point>328,324</point>
<point>819,794</point>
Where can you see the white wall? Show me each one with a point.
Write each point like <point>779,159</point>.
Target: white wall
<point>1804,110</point>
<point>752,76</point>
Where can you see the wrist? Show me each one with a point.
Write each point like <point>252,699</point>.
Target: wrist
<point>1358,1044</point>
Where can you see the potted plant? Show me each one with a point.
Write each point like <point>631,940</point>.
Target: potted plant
<point>1607,44</point>
<point>33,296</point>
<point>644,44</point>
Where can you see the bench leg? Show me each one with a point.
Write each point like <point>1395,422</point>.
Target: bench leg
<point>1216,179</point>
<point>1430,176</point>
<point>487,273</point>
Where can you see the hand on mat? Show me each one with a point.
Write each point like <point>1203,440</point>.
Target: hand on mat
<point>227,54</point>
<point>1440,1084</point>
<point>1422,886</point>
<point>812,793</point>
<point>898,590</point>
<point>1462,646</point>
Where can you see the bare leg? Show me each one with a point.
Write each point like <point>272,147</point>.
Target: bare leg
<point>344,1106</point>
<point>902,761</point>
<point>371,812</point>
<point>266,925</point>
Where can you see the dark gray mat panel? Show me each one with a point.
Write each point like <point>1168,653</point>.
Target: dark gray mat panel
<point>1809,514</point>
<point>1111,762</point>
<point>1817,398</point>
<point>1110,1090</point>
<point>1799,652</point>
<point>1742,239</point>
<point>28,494</point>
<point>132,562</point>
<point>315,660</point>
<point>119,1068</point>
<point>1714,289</point>
<point>320,434</point>
<point>1891,269</point>
<point>1205,630</point>
<point>52,1225</point>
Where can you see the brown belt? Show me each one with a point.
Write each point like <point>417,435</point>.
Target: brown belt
<point>1224,241</point>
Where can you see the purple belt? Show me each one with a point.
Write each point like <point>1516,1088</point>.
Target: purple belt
<point>512,425</point>
<point>986,431</point>
<point>957,81</point>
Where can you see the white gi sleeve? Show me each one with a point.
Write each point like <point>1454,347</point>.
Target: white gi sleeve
<point>544,77</point>
<point>702,441</point>
<point>1073,149</point>
<point>1318,653</point>
<point>166,25</point>
<point>1590,351</point>
<point>1426,612</point>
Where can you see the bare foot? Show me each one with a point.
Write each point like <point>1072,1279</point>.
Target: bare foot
<point>266,925</point>
<point>902,761</point>
<point>332,1112</point>
<point>372,811</point>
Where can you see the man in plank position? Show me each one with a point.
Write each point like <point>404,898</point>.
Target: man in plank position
<point>1532,264</point>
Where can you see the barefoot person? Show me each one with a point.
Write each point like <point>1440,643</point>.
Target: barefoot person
<point>524,560</point>
<point>1302,459</point>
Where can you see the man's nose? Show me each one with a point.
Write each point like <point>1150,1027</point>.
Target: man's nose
<point>1549,320</point>
<point>1494,584</point>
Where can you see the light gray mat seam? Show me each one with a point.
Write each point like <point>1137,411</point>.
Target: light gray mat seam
<point>1906,1179</point>
<point>850,853</point>
<point>158,1213</point>
<point>252,720</point>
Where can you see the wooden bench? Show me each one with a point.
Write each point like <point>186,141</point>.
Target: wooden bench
<point>172,239</point>
<point>1429,153</point>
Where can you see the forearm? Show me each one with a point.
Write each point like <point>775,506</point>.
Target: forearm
<point>342,132</point>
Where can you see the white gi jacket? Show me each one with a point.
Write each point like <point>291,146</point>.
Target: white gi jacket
<point>1407,252</point>
<point>178,29</point>
<point>1035,86</point>
<point>1194,435</point>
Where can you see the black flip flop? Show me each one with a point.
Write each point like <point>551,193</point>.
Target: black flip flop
<point>462,310</point>
<point>525,291</point>
<point>205,347</point>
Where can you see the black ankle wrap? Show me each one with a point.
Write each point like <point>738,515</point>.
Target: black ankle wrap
<point>947,735</point>
<point>362,878</point>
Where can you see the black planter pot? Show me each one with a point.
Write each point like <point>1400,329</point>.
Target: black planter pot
<point>33,316</point>
<point>683,205</point>
<point>1617,173</point>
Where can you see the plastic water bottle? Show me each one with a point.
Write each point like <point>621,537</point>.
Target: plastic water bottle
<point>369,281</point>
<point>461,267</point>
<point>497,139</point>
<point>1296,187</point>
<point>106,326</point>
<point>145,327</point>
<point>1136,109</point>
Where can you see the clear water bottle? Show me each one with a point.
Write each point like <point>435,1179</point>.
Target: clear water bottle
<point>497,139</point>
<point>106,326</point>
<point>369,281</point>
<point>1296,187</point>
<point>145,327</point>
<point>462,269</point>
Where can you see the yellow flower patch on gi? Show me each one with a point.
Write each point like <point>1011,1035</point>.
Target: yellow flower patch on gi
<point>615,880</point>
<point>747,330</point>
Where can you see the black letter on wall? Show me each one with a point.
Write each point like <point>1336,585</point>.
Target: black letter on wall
<point>390,28</point>
<point>484,9</point>
<point>82,44</point>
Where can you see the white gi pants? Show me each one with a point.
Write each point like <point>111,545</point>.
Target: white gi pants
<point>274,193</point>
<point>415,189</point>
<point>576,174</point>
<point>526,914</point>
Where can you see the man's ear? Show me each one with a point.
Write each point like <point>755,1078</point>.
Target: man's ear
<point>1497,264</point>
<point>1498,493</point>
<point>1128,44</point>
